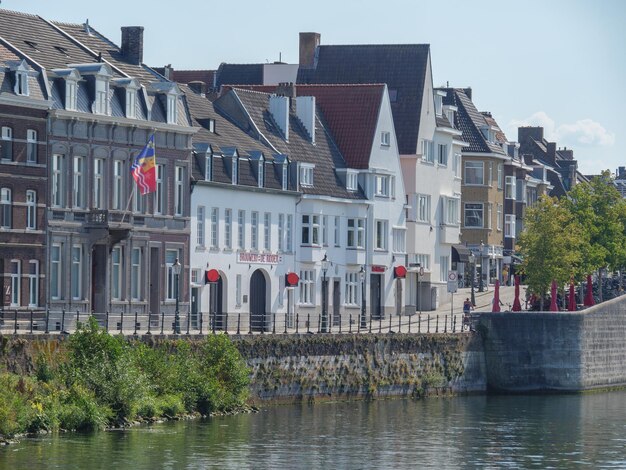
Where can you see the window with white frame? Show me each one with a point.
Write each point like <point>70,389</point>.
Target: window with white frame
<point>31,146</point>
<point>385,138</point>
<point>281,232</point>
<point>101,104</point>
<point>456,165</point>
<point>172,282</point>
<point>490,173</point>
<point>208,168</point>
<point>307,290</point>
<point>442,154</point>
<point>500,175</point>
<point>521,190</point>
<point>423,208</point>
<point>131,103</point>
<point>254,230</point>
<point>215,219</point>
<point>473,215</point>
<point>474,172</point>
<point>6,143</point>
<point>428,151</point>
<point>423,260</point>
<point>55,271</point>
<point>118,184</point>
<point>172,109</point>
<point>135,275</point>
<point>234,177</point>
<point>116,273</point>
<point>196,276</point>
<point>451,210</point>
<point>509,187</point>
<point>200,226</point>
<point>499,217</point>
<point>98,183</point>
<point>138,201</point>
<point>79,182</point>
<point>33,283</point>
<point>285,177</point>
<point>306,175</point>
<point>380,234</point>
<point>15,272</point>
<point>228,229</point>
<point>382,185</point>
<point>352,181</point>
<point>261,173</point>
<point>267,231</point>
<point>31,209</point>
<point>509,225</point>
<point>159,194</point>
<point>58,180</point>
<point>21,83</point>
<point>241,230</point>
<point>289,233</point>
<point>356,233</point>
<point>399,240</point>
<point>77,272</point>
<point>238,291</point>
<point>444,268</point>
<point>392,186</point>
<point>325,230</point>
<point>70,95</point>
<point>337,228</point>
<point>489,214</point>
<point>179,193</point>
<point>351,297</point>
<point>310,229</point>
<point>6,208</point>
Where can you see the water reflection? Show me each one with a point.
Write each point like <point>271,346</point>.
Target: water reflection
<point>487,432</point>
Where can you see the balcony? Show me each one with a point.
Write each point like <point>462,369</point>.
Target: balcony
<point>114,224</point>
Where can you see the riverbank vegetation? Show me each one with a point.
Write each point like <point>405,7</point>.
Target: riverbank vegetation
<point>98,380</point>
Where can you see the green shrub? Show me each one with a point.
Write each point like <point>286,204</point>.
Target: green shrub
<point>16,413</point>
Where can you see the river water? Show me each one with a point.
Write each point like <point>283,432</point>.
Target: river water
<point>550,431</point>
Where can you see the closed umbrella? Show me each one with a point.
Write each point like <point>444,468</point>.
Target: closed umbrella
<point>553,306</point>
<point>571,306</point>
<point>588,302</point>
<point>517,306</point>
<point>496,298</point>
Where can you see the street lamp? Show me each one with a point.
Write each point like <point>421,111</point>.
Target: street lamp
<point>480,281</point>
<point>472,260</point>
<point>325,265</point>
<point>362,277</point>
<point>176,267</point>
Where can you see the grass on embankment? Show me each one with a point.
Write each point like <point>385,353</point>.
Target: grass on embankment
<point>99,380</point>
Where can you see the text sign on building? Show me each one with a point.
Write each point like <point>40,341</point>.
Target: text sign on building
<point>259,258</point>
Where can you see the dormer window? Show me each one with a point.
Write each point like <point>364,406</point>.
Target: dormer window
<point>211,126</point>
<point>285,179</point>
<point>235,168</point>
<point>450,116</point>
<point>131,103</point>
<point>306,175</point>
<point>172,109</point>
<point>21,83</point>
<point>438,104</point>
<point>70,95</point>
<point>101,104</point>
<point>261,173</point>
<point>208,169</point>
<point>352,181</point>
<point>488,133</point>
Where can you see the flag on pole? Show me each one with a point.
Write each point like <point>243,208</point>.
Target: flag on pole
<point>144,168</point>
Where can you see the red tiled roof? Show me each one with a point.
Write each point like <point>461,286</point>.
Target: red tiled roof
<point>350,112</point>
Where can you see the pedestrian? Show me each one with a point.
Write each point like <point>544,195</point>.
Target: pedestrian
<point>505,275</point>
<point>467,308</point>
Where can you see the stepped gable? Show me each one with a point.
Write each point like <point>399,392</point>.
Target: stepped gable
<point>401,66</point>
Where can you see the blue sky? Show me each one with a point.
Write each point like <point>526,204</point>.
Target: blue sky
<point>557,63</point>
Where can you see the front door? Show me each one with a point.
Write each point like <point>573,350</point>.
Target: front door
<point>376,296</point>
<point>155,286</point>
<point>98,279</point>
<point>218,313</point>
<point>336,301</point>
<point>258,320</point>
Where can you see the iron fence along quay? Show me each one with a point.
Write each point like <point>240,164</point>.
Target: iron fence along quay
<point>20,322</point>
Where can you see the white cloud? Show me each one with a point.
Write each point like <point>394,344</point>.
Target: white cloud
<point>585,132</point>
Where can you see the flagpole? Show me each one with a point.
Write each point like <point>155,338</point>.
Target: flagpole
<point>132,193</point>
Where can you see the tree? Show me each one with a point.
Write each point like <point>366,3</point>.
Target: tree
<point>551,244</point>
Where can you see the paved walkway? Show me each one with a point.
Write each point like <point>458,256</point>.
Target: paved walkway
<point>484,300</point>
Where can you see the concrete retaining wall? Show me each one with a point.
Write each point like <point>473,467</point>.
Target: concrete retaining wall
<point>539,351</point>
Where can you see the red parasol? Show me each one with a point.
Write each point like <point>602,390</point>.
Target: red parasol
<point>588,302</point>
<point>571,306</point>
<point>553,306</point>
<point>496,298</point>
<point>517,306</point>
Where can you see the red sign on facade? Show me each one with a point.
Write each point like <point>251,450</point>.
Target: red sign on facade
<point>212,275</point>
<point>399,272</point>
<point>378,269</point>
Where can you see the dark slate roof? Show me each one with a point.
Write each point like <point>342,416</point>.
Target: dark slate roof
<point>36,82</point>
<point>401,66</point>
<point>350,112</point>
<point>469,121</point>
<point>249,110</point>
<point>239,74</point>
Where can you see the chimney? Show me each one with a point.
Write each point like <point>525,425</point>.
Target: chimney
<point>551,150</point>
<point>279,109</point>
<point>305,111</point>
<point>621,172</point>
<point>132,44</point>
<point>168,72</point>
<point>468,92</point>
<point>287,89</point>
<point>566,154</point>
<point>308,45</point>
